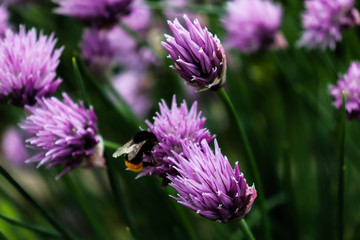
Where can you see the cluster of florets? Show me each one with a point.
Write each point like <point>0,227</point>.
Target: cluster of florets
<point>324,21</point>
<point>205,181</point>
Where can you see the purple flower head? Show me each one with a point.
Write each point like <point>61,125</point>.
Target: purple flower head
<point>4,17</point>
<point>198,56</point>
<point>104,48</point>
<point>253,25</point>
<point>96,50</point>
<point>208,185</point>
<point>64,133</point>
<point>170,127</point>
<point>324,21</point>
<point>350,84</point>
<point>27,67</point>
<point>98,12</point>
<point>134,87</point>
<point>13,146</point>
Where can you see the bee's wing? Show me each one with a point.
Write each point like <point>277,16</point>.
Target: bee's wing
<point>124,149</point>
<point>135,148</point>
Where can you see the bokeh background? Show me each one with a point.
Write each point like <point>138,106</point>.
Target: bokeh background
<point>283,100</point>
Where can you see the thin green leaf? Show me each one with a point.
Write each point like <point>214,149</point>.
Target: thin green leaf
<point>29,227</point>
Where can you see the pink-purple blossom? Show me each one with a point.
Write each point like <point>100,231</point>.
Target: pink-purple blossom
<point>13,146</point>
<point>171,126</point>
<point>28,65</point>
<point>350,84</point>
<point>64,133</point>
<point>98,12</point>
<point>4,18</point>
<point>325,20</point>
<point>207,184</point>
<point>198,56</point>
<point>253,25</point>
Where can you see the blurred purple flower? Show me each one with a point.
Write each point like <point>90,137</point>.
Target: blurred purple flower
<point>324,21</point>
<point>253,25</point>
<point>13,146</point>
<point>198,56</point>
<point>4,17</point>
<point>105,48</point>
<point>170,127</point>
<point>27,67</point>
<point>208,185</point>
<point>350,84</point>
<point>64,133</point>
<point>98,12</point>
<point>134,87</point>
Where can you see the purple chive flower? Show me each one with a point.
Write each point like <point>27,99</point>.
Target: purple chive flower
<point>27,67</point>
<point>208,185</point>
<point>253,25</point>
<point>350,84</point>
<point>105,48</point>
<point>4,17</point>
<point>170,127</point>
<point>134,87</point>
<point>64,133</point>
<point>98,12</point>
<point>13,146</point>
<point>198,56</point>
<point>324,21</point>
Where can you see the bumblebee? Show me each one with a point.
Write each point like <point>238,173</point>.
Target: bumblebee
<point>134,150</point>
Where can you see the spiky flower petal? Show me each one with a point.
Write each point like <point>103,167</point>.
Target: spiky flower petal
<point>171,126</point>
<point>324,21</point>
<point>253,25</point>
<point>207,184</point>
<point>198,55</point>
<point>27,67</point>
<point>350,84</point>
<point>64,133</point>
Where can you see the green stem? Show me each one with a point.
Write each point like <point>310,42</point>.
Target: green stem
<point>2,236</point>
<point>29,227</point>
<point>118,197</point>
<point>80,81</point>
<point>111,145</point>
<point>246,230</point>
<point>120,106</point>
<point>31,200</point>
<point>83,202</point>
<point>255,172</point>
<point>341,183</point>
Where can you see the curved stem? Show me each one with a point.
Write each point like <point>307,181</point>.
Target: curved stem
<point>246,230</point>
<point>31,200</point>
<point>255,172</point>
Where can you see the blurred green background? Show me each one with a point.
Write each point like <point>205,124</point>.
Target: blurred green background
<point>283,99</point>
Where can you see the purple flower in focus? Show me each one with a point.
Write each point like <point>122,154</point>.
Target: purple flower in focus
<point>324,21</point>
<point>13,146</point>
<point>134,87</point>
<point>64,133</point>
<point>208,185</point>
<point>170,127</point>
<point>98,12</point>
<point>4,17</point>
<point>350,84</point>
<point>27,67</point>
<point>253,25</point>
<point>198,56</point>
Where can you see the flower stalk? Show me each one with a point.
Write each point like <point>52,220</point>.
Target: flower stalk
<point>252,163</point>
